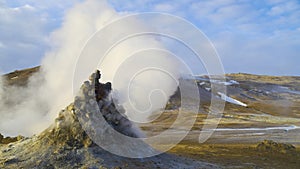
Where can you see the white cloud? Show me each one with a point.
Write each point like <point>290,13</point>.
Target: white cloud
<point>164,7</point>
<point>272,2</point>
<point>24,7</point>
<point>286,7</point>
<point>2,45</point>
<point>22,33</point>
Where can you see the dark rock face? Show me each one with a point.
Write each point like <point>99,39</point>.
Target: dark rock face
<point>101,90</point>
<point>271,146</point>
<point>94,99</point>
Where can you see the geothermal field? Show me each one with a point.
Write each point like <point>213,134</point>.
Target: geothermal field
<point>253,131</point>
<point>94,84</point>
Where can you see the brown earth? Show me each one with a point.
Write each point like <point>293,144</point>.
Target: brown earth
<point>235,155</point>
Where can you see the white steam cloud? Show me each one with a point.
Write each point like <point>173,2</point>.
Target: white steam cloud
<point>29,110</point>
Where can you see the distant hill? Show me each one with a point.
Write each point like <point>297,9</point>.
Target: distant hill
<point>20,77</point>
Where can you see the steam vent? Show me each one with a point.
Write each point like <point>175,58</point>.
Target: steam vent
<point>65,144</point>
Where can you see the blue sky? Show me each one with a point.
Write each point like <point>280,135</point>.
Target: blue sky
<point>252,36</point>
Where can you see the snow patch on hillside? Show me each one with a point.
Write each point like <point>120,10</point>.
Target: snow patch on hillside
<point>231,100</point>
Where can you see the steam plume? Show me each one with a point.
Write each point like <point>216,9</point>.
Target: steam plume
<point>29,110</point>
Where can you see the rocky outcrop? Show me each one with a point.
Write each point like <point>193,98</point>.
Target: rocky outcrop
<point>7,140</point>
<point>94,99</point>
<point>272,146</point>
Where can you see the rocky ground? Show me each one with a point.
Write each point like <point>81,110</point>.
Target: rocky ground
<point>261,108</point>
<point>66,145</point>
<point>259,129</point>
